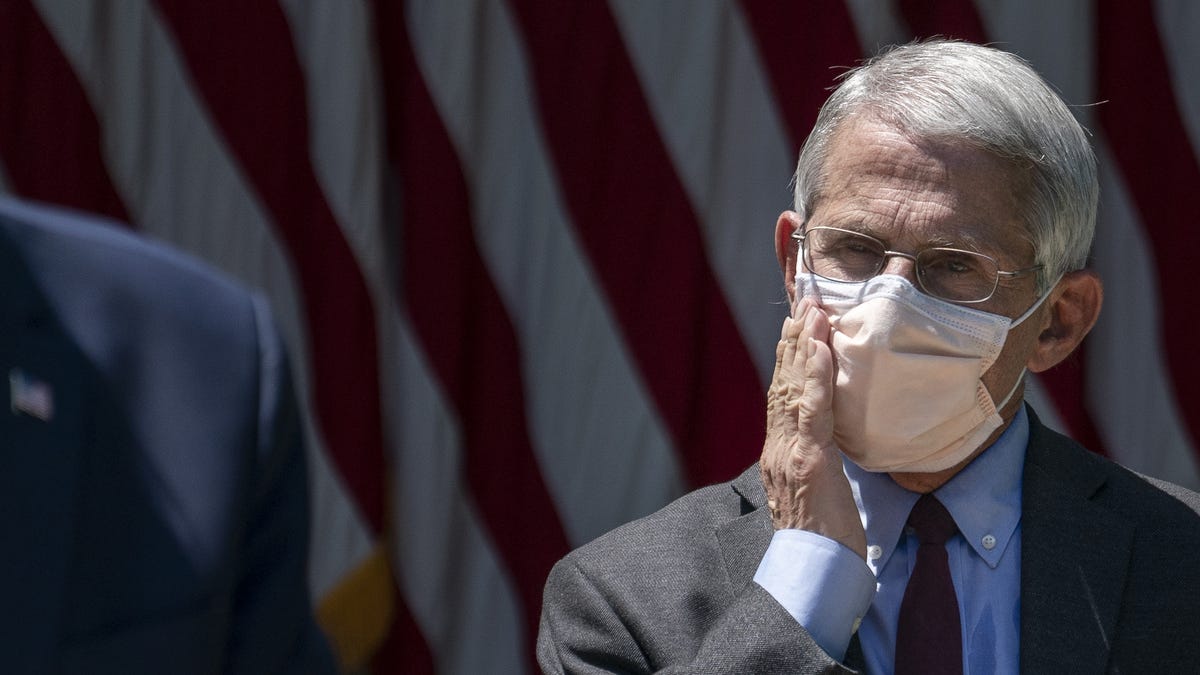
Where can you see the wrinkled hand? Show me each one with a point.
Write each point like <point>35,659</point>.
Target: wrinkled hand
<point>801,466</point>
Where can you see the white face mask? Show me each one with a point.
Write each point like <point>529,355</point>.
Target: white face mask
<point>908,395</point>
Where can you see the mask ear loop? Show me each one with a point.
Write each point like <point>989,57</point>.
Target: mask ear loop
<point>1029,312</point>
<point>1020,379</point>
<point>1016,322</point>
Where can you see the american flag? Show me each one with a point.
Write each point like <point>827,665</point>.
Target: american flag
<point>522,250</point>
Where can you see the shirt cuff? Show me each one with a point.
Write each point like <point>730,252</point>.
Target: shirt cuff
<point>824,585</point>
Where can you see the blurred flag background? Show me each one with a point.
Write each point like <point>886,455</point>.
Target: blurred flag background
<point>522,249</point>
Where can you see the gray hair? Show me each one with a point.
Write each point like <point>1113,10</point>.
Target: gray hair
<point>960,92</point>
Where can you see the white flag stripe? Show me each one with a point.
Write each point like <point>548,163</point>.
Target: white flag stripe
<point>877,24</point>
<point>698,66</point>
<point>345,100</point>
<point>604,454</point>
<point>451,577</point>
<point>143,94</point>
<point>1055,37</point>
<point>1179,28</point>
<point>341,541</point>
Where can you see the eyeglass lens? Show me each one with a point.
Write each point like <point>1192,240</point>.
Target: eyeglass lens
<point>946,273</point>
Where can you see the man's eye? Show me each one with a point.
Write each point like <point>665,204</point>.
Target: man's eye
<point>953,264</point>
<point>958,266</point>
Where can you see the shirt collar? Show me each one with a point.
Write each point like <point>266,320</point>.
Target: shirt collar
<point>984,499</point>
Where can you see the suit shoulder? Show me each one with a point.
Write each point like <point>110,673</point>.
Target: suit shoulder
<point>682,541</point>
<point>648,577</point>
<point>101,279</point>
<point>1138,494</point>
<point>679,523</point>
<point>1152,502</point>
<point>98,250</point>
<point>1188,497</point>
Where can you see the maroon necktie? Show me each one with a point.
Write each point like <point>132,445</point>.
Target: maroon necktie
<point>929,634</point>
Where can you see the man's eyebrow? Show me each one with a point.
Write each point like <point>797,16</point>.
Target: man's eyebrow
<point>965,239</point>
<point>852,223</point>
<point>967,242</point>
<point>962,235</point>
<point>957,239</point>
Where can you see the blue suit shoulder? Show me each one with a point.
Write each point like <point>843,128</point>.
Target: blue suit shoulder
<point>89,265</point>
<point>179,457</point>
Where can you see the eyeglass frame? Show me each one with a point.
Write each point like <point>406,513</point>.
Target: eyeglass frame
<point>805,254</point>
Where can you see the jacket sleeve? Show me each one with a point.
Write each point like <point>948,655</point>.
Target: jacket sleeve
<point>273,627</point>
<point>586,629</point>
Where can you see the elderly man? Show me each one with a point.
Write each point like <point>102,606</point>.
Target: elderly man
<point>909,513</point>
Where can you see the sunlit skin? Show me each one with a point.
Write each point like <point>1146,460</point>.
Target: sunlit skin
<point>910,196</point>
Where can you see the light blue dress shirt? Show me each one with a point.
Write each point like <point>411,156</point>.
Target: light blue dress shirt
<point>827,588</point>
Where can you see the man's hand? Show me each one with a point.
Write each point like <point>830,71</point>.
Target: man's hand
<point>801,467</point>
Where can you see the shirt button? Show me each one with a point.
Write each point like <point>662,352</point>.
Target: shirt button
<point>874,552</point>
<point>989,542</point>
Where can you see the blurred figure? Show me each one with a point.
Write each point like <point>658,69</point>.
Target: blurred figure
<point>153,496</point>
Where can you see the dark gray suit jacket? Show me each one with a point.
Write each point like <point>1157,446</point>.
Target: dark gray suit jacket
<point>1110,581</point>
<point>154,518</point>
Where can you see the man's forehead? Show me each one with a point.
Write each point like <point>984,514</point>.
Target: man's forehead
<point>867,143</point>
<point>882,182</point>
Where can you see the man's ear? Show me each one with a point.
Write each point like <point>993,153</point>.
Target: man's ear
<point>786,249</point>
<point>1074,307</point>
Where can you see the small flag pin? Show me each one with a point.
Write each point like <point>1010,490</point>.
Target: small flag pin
<point>30,396</point>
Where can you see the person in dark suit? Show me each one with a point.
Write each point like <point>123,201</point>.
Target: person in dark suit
<point>909,512</point>
<point>153,498</point>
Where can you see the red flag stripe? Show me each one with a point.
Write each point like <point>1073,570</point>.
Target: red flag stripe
<point>1160,169</point>
<point>1066,386</point>
<point>464,327</point>
<point>948,18</point>
<point>48,131</point>
<point>404,649</point>
<point>801,49</point>
<point>636,223</point>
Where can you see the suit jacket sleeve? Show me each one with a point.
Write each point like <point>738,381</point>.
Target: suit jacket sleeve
<point>273,629</point>
<point>672,593</point>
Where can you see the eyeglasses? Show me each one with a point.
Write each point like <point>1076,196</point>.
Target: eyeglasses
<point>949,274</point>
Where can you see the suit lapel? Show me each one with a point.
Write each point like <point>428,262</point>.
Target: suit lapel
<point>744,540</point>
<point>1074,557</point>
<point>39,468</point>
